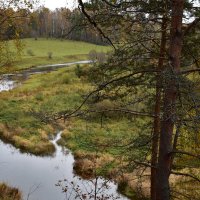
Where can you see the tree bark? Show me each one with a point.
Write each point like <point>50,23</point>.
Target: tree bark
<point>170,96</point>
<point>156,125</point>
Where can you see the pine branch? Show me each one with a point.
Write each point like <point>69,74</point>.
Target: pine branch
<point>185,153</point>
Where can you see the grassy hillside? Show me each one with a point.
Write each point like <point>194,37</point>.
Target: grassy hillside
<point>50,51</point>
<point>59,48</point>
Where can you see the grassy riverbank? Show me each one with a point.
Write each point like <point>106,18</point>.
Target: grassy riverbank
<point>8,193</point>
<point>49,51</point>
<point>47,93</point>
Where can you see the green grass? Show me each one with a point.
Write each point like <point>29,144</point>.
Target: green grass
<point>50,93</point>
<point>59,48</point>
<point>47,93</point>
<point>62,51</point>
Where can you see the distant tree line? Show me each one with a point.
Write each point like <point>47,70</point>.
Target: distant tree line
<point>61,23</point>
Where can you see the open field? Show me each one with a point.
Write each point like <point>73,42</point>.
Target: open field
<point>50,51</point>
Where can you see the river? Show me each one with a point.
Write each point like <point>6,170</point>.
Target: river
<point>41,178</point>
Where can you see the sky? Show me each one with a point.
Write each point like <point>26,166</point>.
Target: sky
<point>52,4</point>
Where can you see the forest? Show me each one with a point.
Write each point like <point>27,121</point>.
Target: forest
<point>61,23</point>
<point>100,101</point>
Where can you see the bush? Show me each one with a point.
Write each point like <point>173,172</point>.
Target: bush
<point>101,57</point>
<point>50,55</point>
<point>8,193</point>
<point>92,55</point>
<point>39,97</point>
<point>78,71</point>
<point>65,79</point>
<point>30,52</point>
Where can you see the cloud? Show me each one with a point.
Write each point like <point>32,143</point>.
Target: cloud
<point>53,4</point>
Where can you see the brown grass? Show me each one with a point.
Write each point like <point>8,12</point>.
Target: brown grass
<point>88,164</point>
<point>8,193</point>
<point>31,145</point>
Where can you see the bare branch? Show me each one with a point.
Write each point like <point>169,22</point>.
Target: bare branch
<point>185,153</point>
<point>101,87</point>
<point>190,71</point>
<point>143,164</point>
<point>94,22</point>
<point>185,174</point>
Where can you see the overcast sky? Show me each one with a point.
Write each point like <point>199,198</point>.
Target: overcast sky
<point>52,4</point>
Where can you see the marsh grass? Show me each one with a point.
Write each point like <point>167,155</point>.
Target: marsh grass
<point>47,93</point>
<point>8,193</point>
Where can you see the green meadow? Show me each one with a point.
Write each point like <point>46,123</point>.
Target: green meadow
<point>49,51</point>
<point>47,93</point>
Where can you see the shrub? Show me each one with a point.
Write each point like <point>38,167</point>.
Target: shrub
<point>65,79</point>
<point>78,71</point>
<point>30,52</point>
<point>39,97</point>
<point>92,55</point>
<point>101,57</point>
<point>50,55</point>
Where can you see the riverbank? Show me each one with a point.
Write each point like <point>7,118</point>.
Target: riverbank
<point>46,93</point>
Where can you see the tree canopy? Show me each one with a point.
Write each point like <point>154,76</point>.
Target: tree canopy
<point>153,76</point>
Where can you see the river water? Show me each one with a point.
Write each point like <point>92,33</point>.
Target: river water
<point>42,178</point>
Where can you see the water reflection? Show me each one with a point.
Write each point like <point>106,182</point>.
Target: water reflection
<point>37,177</point>
<point>6,84</point>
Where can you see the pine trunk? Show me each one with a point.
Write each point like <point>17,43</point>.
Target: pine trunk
<point>156,130</point>
<point>170,96</point>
